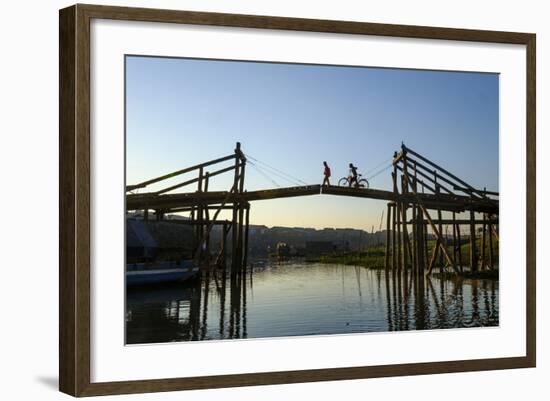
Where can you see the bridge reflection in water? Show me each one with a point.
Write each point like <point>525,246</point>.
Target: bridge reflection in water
<point>296,298</point>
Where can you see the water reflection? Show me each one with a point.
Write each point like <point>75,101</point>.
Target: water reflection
<point>296,298</point>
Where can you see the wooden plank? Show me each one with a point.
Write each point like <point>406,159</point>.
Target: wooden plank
<point>287,192</point>
<point>460,222</point>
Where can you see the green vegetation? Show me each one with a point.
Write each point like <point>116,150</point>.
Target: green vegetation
<point>465,251</point>
<point>374,258</point>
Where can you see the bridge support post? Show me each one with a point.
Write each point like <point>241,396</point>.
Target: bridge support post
<point>483,243</point>
<point>223,256</point>
<point>415,228</point>
<point>241,243</point>
<point>388,219</point>
<point>455,250</point>
<point>247,225</point>
<point>491,254</point>
<point>406,239</point>
<point>473,255</point>
<point>398,223</point>
<point>394,235</point>
<point>234,226</point>
<point>440,228</point>
<point>420,242</point>
<point>204,227</point>
<point>459,248</point>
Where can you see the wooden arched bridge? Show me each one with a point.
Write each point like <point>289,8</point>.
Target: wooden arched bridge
<point>419,187</point>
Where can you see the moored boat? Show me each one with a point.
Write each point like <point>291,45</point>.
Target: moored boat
<point>161,272</point>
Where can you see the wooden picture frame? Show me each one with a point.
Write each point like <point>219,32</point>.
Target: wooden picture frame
<point>74,203</point>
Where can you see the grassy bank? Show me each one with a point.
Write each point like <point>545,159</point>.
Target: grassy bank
<point>374,258</point>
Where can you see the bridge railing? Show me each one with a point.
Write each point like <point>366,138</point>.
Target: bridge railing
<point>238,156</point>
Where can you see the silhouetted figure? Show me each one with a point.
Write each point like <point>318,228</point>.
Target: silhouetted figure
<point>326,175</point>
<point>352,178</point>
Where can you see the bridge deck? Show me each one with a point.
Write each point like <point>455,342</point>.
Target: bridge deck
<point>170,201</point>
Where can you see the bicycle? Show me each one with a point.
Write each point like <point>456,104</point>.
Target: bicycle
<point>360,183</point>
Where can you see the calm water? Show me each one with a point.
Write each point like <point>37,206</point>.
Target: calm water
<point>295,299</point>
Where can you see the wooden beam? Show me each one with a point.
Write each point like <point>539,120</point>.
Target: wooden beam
<point>465,184</point>
<point>468,191</point>
<point>188,182</point>
<point>178,172</point>
<point>460,222</point>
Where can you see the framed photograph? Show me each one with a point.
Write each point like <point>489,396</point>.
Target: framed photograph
<point>250,200</point>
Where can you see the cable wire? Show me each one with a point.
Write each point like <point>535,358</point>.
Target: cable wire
<point>263,174</point>
<point>379,172</point>
<point>276,171</point>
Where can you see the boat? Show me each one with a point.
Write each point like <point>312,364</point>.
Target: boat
<point>160,272</point>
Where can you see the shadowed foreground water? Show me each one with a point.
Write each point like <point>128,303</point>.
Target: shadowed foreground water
<point>295,299</point>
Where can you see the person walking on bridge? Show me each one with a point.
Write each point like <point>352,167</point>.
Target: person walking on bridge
<point>352,178</point>
<point>326,175</point>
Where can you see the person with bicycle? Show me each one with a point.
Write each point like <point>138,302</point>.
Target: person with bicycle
<point>352,177</point>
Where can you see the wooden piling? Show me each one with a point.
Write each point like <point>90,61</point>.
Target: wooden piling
<point>394,235</point>
<point>240,243</point>
<point>398,223</point>
<point>234,228</point>
<point>440,227</point>
<point>417,235</point>
<point>408,250</point>
<point>200,215</point>
<point>388,220</point>
<point>454,241</point>
<point>459,248</point>
<point>206,213</point>
<point>483,242</point>
<point>425,238</point>
<point>473,261</point>
<point>224,246</point>
<point>247,224</point>
<point>421,232</point>
<point>491,254</point>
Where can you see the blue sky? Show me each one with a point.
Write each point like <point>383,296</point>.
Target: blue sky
<point>183,111</point>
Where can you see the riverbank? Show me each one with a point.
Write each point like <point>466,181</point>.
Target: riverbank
<point>375,258</point>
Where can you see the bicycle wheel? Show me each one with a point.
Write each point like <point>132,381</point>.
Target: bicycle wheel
<point>343,182</point>
<point>363,183</point>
